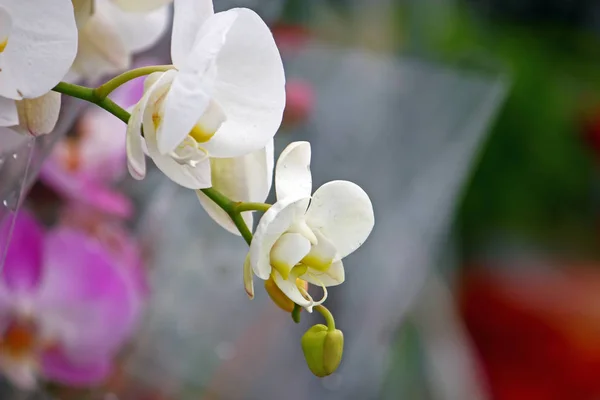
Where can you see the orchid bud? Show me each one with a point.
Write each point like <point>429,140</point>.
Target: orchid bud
<point>38,116</point>
<point>323,349</point>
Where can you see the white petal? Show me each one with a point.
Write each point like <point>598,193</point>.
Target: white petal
<point>188,17</point>
<point>41,46</point>
<point>39,116</point>
<point>250,87</point>
<point>8,112</point>
<point>248,278</point>
<point>287,251</point>
<point>83,11</point>
<point>321,255</point>
<point>101,50</point>
<point>289,288</point>
<point>343,213</point>
<point>292,174</point>
<point>141,5</point>
<point>335,275</point>
<point>191,177</point>
<point>189,97</point>
<point>271,226</point>
<point>138,30</point>
<point>246,179</point>
<point>197,177</point>
<point>136,162</point>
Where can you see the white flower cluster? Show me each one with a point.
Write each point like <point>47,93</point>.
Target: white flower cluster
<point>208,122</point>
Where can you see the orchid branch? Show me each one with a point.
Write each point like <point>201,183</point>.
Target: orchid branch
<point>107,88</point>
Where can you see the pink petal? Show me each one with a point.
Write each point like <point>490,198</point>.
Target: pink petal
<point>85,298</point>
<point>23,263</point>
<point>74,187</point>
<point>59,367</point>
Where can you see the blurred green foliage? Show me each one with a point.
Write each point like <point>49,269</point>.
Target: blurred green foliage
<point>535,175</point>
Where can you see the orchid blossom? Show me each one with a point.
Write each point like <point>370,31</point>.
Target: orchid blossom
<point>111,35</point>
<point>224,99</point>
<point>303,238</point>
<point>66,305</point>
<point>38,42</point>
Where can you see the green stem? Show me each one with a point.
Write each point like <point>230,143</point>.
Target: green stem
<point>241,207</point>
<point>230,207</point>
<point>328,317</point>
<point>88,94</point>
<point>296,313</point>
<point>107,88</point>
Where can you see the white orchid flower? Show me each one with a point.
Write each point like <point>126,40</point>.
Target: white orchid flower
<point>246,179</point>
<point>110,36</point>
<point>303,239</point>
<point>38,42</point>
<point>224,99</point>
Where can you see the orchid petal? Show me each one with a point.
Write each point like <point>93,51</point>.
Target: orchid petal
<point>8,112</point>
<point>248,278</point>
<point>139,31</point>
<point>189,96</point>
<point>333,276</point>
<point>188,18</point>
<point>84,299</point>
<point>136,162</point>
<point>40,47</point>
<point>249,87</point>
<point>101,49</point>
<point>290,289</point>
<point>141,5</point>
<point>321,255</point>
<point>83,11</point>
<point>343,213</point>
<point>274,223</point>
<point>244,179</point>
<point>59,366</point>
<point>287,251</point>
<point>292,174</point>
<point>190,176</point>
<point>39,116</point>
<point>23,244</point>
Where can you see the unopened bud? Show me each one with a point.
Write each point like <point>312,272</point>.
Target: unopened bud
<point>323,349</point>
<point>38,116</point>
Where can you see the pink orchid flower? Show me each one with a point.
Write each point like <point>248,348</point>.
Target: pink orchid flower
<point>82,168</point>
<point>66,307</point>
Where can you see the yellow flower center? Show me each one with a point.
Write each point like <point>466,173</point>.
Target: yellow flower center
<point>3,44</point>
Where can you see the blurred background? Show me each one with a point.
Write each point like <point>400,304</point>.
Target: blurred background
<point>474,125</point>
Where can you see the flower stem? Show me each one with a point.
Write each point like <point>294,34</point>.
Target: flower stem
<point>241,207</point>
<point>107,88</point>
<point>88,94</point>
<point>296,313</point>
<point>328,317</point>
<point>230,207</point>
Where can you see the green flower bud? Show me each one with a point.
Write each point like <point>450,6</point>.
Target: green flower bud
<point>323,349</point>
